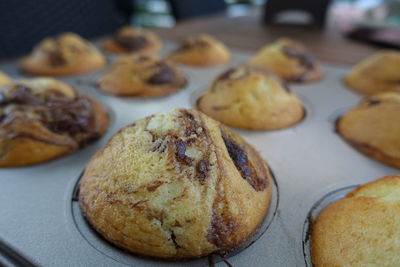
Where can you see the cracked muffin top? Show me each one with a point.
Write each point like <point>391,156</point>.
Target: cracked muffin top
<point>376,74</point>
<point>289,59</point>
<point>373,127</point>
<point>132,40</point>
<point>42,118</point>
<point>251,98</point>
<point>65,55</point>
<point>176,185</point>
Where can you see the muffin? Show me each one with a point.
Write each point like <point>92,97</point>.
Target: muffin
<point>251,98</point>
<point>4,79</point>
<point>176,185</point>
<point>132,40</point>
<point>42,119</point>
<point>202,50</point>
<point>290,60</point>
<point>142,76</point>
<point>361,229</point>
<point>66,55</point>
<point>376,74</point>
<point>373,127</point>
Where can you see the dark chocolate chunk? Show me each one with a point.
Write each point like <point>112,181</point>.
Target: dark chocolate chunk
<point>71,117</point>
<point>202,169</point>
<point>56,59</point>
<point>164,74</point>
<point>180,153</point>
<point>131,43</point>
<point>373,102</point>
<point>57,112</point>
<point>190,123</point>
<point>306,59</point>
<point>21,95</point>
<point>240,159</point>
<point>226,75</point>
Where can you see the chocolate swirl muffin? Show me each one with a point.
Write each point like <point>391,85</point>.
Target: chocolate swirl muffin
<point>201,50</point>
<point>373,127</point>
<point>4,79</point>
<point>132,40</point>
<point>361,229</point>
<point>66,55</point>
<point>176,185</point>
<point>251,98</point>
<point>288,59</point>
<point>376,74</point>
<point>42,119</point>
<point>142,76</point>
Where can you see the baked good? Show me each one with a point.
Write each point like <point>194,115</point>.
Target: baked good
<point>289,59</point>
<point>376,74</point>
<point>373,127</point>
<point>176,185</point>
<point>201,50</point>
<point>142,76</point>
<point>361,229</point>
<point>42,119</point>
<point>4,79</point>
<point>251,98</point>
<point>132,40</point>
<point>66,55</point>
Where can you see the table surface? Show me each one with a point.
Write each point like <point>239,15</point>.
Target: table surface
<point>249,33</point>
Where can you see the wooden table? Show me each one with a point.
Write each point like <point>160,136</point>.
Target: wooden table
<point>247,32</point>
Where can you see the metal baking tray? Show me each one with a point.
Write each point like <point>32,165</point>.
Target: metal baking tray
<point>41,222</point>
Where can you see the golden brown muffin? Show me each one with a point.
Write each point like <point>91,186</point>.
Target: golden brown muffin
<point>202,50</point>
<point>66,55</point>
<point>251,98</point>
<point>376,74</point>
<point>289,59</point>
<point>176,185</point>
<point>132,40</point>
<point>362,229</point>
<point>42,119</point>
<point>142,76</point>
<point>373,127</point>
<point>4,79</point>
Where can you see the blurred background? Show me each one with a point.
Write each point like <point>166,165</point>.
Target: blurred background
<point>23,23</point>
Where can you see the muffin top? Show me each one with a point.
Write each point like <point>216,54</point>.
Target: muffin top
<point>67,54</point>
<point>361,229</point>
<point>376,74</point>
<point>200,50</point>
<point>251,98</point>
<point>132,40</point>
<point>47,109</point>
<point>142,76</point>
<point>373,127</point>
<point>176,185</point>
<point>289,59</point>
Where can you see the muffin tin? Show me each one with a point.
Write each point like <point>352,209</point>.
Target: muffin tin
<point>41,220</point>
